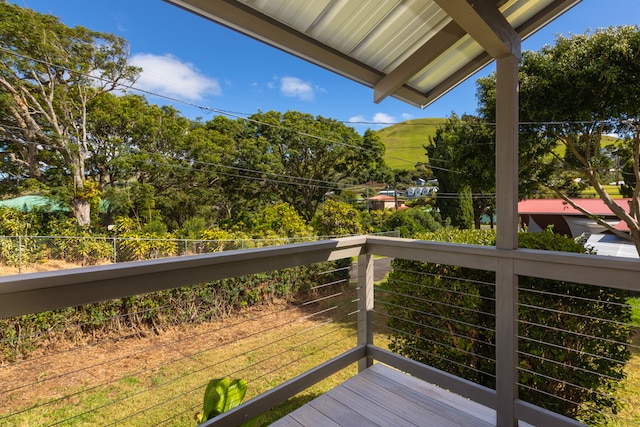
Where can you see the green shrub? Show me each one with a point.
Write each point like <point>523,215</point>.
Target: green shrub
<point>443,316</point>
<point>73,244</point>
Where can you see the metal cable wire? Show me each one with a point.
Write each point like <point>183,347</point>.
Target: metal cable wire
<point>437,343</point>
<point>568,313</point>
<point>148,369</point>
<point>437,329</point>
<point>440,303</point>
<point>193,407</point>
<point>584,353</point>
<point>129,355</point>
<point>453,362</point>
<point>437,316</point>
<point>575,297</point>
<point>143,371</point>
<point>563,382</point>
<point>236,372</point>
<point>566,365</point>
<point>443,290</point>
<point>579,334</point>
<point>426,273</point>
<point>173,380</point>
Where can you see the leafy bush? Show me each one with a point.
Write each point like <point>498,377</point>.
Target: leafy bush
<point>78,245</point>
<point>336,219</point>
<point>14,249</point>
<point>281,220</point>
<point>411,222</point>
<point>443,316</point>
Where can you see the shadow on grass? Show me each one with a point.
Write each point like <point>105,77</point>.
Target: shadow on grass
<point>286,407</point>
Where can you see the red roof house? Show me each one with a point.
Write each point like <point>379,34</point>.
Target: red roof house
<point>538,214</point>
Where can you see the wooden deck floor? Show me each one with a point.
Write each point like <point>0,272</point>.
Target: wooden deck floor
<point>383,396</point>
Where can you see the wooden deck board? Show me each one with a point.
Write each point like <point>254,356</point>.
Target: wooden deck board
<point>383,396</point>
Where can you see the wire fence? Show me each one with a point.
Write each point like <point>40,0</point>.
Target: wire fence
<point>578,348</point>
<point>22,254</point>
<point>78,374</point>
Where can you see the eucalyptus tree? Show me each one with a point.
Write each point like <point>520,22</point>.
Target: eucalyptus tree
<point>573,93</point>
<point>49,74</point>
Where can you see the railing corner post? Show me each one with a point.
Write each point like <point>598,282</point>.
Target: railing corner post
<point>365,305</point>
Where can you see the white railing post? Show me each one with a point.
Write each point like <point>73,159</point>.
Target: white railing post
<point>365,305</point>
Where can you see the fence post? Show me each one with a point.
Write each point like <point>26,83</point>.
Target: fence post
<point>19,254</point>
<point>115,251</point>
<point>365,305</point>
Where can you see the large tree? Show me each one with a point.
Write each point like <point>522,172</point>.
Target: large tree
<point>304,157</point>
<point>465,147</point>
<point>49,74</point>
<point>575,92</point>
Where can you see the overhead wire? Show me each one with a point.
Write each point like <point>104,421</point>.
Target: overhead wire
<point>236,115</point>
<point>246,116</point>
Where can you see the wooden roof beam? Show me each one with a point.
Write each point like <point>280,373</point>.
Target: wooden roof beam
<point>483,21</point>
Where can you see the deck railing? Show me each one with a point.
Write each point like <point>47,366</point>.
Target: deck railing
<point>367,310</point>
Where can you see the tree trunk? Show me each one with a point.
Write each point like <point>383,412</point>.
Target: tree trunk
<point>81,210</point>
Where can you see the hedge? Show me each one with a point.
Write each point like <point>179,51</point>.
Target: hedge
<point>444,316</point>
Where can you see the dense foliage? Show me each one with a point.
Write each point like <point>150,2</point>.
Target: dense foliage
<point>574,93</point>
<point>568,362</point>
<point>49,75</point>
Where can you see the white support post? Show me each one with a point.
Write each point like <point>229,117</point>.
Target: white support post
<point>506,239</point>
<point>365,305</point>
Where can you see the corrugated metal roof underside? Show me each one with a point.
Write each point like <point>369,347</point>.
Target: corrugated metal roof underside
<point>409,49</point>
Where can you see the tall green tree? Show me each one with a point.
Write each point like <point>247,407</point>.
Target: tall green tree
<point>49,73</point>
<point>467,146</point>
<point>304,157</point>
<point>574,92</point>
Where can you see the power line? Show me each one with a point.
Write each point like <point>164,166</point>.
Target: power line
<point>236,115</point>
<point>245,116</point>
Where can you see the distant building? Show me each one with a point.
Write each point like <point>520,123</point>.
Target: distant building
<point>381,202</point>
<point>538,214</point>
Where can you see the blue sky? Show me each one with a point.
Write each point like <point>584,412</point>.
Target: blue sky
<point>190,59</point>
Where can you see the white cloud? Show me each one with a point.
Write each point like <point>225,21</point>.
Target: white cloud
<point>167,75</point>
<point>407,116</point>
<point>358,119</point>
<point>378,118</point>
<point>383,118</point>
<point>294,87</point>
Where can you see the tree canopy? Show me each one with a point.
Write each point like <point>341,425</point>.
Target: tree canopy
<point>573,93</point>
<point>49,74</point>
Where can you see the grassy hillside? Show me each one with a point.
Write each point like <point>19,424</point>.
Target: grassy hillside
<point>405,141</point>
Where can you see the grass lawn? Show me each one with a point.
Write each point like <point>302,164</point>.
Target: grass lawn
<point>171,394</point>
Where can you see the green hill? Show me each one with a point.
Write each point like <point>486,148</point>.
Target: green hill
<point>404,141</point>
